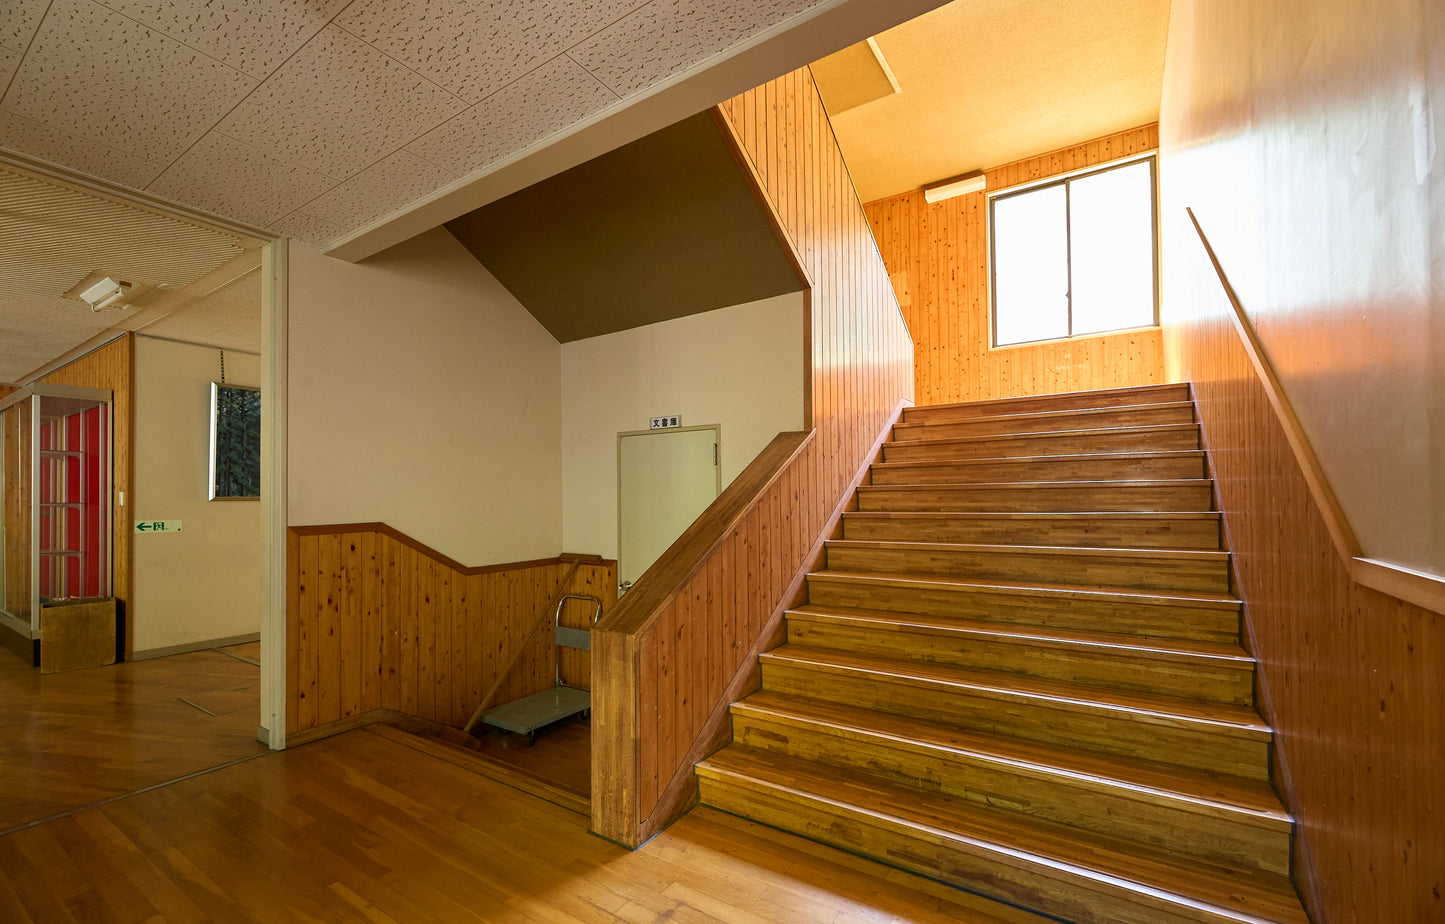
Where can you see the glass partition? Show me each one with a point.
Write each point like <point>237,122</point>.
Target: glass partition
<point>56,477</point>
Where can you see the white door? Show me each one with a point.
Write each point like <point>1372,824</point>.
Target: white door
<point>665,478</point>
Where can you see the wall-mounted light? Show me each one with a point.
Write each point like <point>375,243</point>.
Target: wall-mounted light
<point>105,293</point>
<point>958,186</point>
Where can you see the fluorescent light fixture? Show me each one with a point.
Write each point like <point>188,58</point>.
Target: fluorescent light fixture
<point>969,183</point>
<point>105,293</point>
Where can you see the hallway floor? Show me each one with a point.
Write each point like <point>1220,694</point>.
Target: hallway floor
<point>74,739</point>
<point>361,827</point>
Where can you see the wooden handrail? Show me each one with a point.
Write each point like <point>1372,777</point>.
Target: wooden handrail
<point>676,566</point>
<point>1417,587</point>
<point>521,648</point>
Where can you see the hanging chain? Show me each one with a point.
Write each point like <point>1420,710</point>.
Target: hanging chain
<point>223,367</point>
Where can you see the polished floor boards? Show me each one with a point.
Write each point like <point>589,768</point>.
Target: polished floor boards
<point>73,739</point>
<point>360,827</point>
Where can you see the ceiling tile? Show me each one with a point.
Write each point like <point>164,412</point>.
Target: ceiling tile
<point>339,106</point>
<point>379,190</point>
<point>668,36</point>
<point>105,77</point>
<point>249,36</point>
<point>9,60</point>
<point>226,177</point>
<point>476,47</point>
<point>28,137</point>
<point>19,20</point>
<point>550,98</point>
<point>308,229</point>
<point>53,236</point>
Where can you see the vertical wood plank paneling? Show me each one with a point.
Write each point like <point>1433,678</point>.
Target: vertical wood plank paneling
<point>376,622</point>
<point>328,647</point>
<point>717,603</point>
<point>937,256</point>
<point>1349,678</point>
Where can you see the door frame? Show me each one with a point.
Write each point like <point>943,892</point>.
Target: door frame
<point>716,466</point>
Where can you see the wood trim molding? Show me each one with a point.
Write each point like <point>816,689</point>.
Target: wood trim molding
<point>681,792</point>
<point>1417,587</point>
<point>326,529</point>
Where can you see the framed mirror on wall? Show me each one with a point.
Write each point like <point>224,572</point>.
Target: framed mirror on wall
<point>235,442</point>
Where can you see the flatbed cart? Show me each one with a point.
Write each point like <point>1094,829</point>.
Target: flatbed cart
<point>524,716</point>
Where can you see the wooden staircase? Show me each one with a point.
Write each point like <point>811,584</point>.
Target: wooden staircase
<point>1020,672</point>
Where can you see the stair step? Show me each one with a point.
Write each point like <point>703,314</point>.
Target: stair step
<point>1215,818</point>
<point>1194,530</point>
<point>1152,569</point>
<point>1166,438</point>
<point>1205,617</point>
<point>1064,401</point>
<point>1140,415</point>
<point>1205,736</point>
<point>1176,495</point>
<point>1110,466</point>
<point>1208,671</point>
<point>1033,863</point>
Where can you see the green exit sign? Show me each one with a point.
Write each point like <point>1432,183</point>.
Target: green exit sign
<point>157,526</point>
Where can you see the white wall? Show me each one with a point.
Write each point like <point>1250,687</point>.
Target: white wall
<point>741,367</point>
<point>203,583</point>
<point>424,396</point>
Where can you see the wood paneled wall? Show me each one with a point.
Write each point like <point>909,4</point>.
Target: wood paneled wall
<point>1350,678</point>
<point>937,256</point>
<point>378,621</point>
<point>680,644</point>
<point>113,366</point>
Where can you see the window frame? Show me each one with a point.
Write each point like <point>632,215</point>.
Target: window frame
<point>1064,180</point>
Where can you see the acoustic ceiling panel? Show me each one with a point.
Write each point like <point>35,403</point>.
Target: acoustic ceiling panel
<point>475,48</point>
<point>53,237</point>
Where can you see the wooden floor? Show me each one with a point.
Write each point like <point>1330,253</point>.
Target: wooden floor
<point>108,813</point>
<point>71,740</point>
<point>359,827</point>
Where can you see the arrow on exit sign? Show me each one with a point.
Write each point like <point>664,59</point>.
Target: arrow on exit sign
<point>157,526</point>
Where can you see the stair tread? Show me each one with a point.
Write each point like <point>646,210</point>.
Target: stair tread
<point>1064,413</point>
<point>1122,455</point>
<point>1121,483</point>
<point>1037,434</point>
<point>1247,895</point>
<point>1235,721</point>
<point>1093,392</point>
<point>1174,649</point>
<point>1035,588</point>
<point>1067,515</point>
<point>1250,800</point>
<point>1052,550</point>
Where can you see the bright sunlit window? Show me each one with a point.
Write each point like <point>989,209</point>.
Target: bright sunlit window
<point>1075,257</point>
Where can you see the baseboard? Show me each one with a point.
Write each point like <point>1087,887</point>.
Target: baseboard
<point>187,647</point>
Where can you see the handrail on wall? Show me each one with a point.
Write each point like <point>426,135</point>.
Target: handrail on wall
<point>1424,590</point>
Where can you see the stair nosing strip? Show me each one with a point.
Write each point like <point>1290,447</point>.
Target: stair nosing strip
<point>1165,454</point>
<point>1035,859</point>
<point>1061,412</point>
<point>1123,594</point>
<point>1081,551</point>
<point>1037,434</point>
<point>1270,819</point>
<point>1248,731</point>
<point>1241,661</point>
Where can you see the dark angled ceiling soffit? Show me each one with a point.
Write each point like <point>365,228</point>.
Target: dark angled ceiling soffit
<point>661,228</point>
